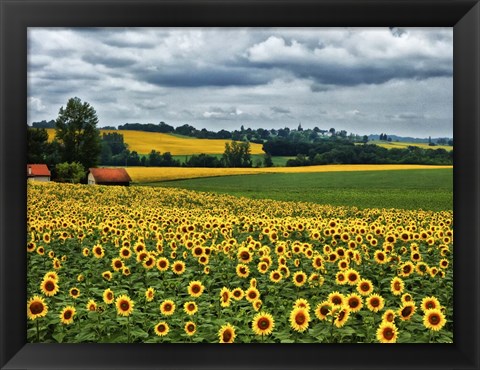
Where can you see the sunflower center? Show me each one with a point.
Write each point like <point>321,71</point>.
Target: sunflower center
<point>299,278</point>
<point>324,310</point>
<point>168,307</point>
<point>195,288</point>
<point>263,323</point>
<point>406,311</point>
<point>190,327</point>
<point>434,319</point>
<point>430,305</point>
<point>396,286</point>
<point>336,300</point>
<point>36,308</point>
<point>74,292</point>
<point>388,333</point>
<point>67,315</point>
<point>380,256</point>
<point>109,295</point>
<point>227,335</point>
<point>225,296</point>
<point>365,287</point>
<point>375,302</point>
<point>178,267</point>
<point>118,264</point>
<point>244,256</point>
<point>353,303</point>
<point>300,318</point>
<point>352,277</point>
<point>341,315</point>
<point>161,328</point>
<point>389,317</point>
<point>124,305</point>
<point>49,286</point>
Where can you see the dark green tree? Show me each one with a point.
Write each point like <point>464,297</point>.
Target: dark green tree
<point>37,145</point>
<point>267,160</point>
<point>77,133</point>
<point>69,172</point>
<point>237,154</point>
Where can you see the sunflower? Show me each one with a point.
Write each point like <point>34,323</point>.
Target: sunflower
<point>74,292</point>
<point>238,294</point>
<point>225,297</point>
<point>299,278</point>
<point>226,333</point>
<point>262,267</point>
<point>257,304</point>
<point>108,296</point>
<point>40,250</point>
<point>162,264</point>
<point>195,288</point>
<point>263,323</point>
<point>340,278</point>
<point>434,319</point>
<point>36,307</point>
<point>301,303</point>
<point>406,269</point>
<point>253,282</point>
<point>124,305</point>
<point>148,262</point>
<point>323,309</point>
<point>407,298</point>
<point>352,276</point>
<point>125,253</point>
<point>251,294</point>
<point>336,299</point>
<point>389,316</point>
<point>98,251</point>
<point>299,319</point>
<point>406,311</point>
<point>242,270</point>
<point>397,285</point>
<point>167,307</point>
<point>107,275</point>
<point>375,302</point>
<point>380,257</point>
<point>341,316</point>
<point>31,246</point>
<point>150,294</point>
<point>364,287</point>
<point>190,308</point>
<point>429,303</point>
<point>117,264</point>
<point>190,328</point>
<point>49,287</point>
<point>91,305</point>
<point>67,314</point>
<point>126,271</point>
<point>178,267</point>
<point>162,329</point>
<point>354,302</point>
<point>443,263</point>
<point>387,332</point>
<point>275,276</point>
<point>244,255</point>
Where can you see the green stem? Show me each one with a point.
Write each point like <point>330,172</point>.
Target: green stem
<point>128,329</point>
<point>38,333</point>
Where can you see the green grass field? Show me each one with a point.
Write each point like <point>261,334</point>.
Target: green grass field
<point>404,189</point>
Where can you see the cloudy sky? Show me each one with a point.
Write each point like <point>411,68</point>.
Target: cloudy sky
<point>362,80</point>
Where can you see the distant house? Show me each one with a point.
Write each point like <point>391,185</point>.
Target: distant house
<point>38,172</point>
<point>108,176</point>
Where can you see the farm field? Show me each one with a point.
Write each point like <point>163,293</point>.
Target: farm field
<point>152,264</point>
<point>428,189</point>
<point>403,145</point>
<point>156,174</point>
<point>143,143</point>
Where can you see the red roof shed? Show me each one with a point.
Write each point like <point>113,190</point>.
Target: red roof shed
<point>38,170</point>
<point>108,176</point>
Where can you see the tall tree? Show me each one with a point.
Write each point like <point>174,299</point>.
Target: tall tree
<point>77,133</point>
<point>237,154</point>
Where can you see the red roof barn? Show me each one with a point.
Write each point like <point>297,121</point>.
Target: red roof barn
<point>38,172</point>
<point>108,176</point>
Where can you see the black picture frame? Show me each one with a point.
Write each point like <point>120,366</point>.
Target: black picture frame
<point>17,16</point>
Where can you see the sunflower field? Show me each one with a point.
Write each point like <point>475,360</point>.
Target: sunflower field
<point>140,264</point>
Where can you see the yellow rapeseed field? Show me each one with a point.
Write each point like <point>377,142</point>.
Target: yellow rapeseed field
<point>404,145</point>
<point>153,174</point>
<point>143,143</point>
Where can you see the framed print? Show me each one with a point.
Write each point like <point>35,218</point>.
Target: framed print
<point>299,195</point>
